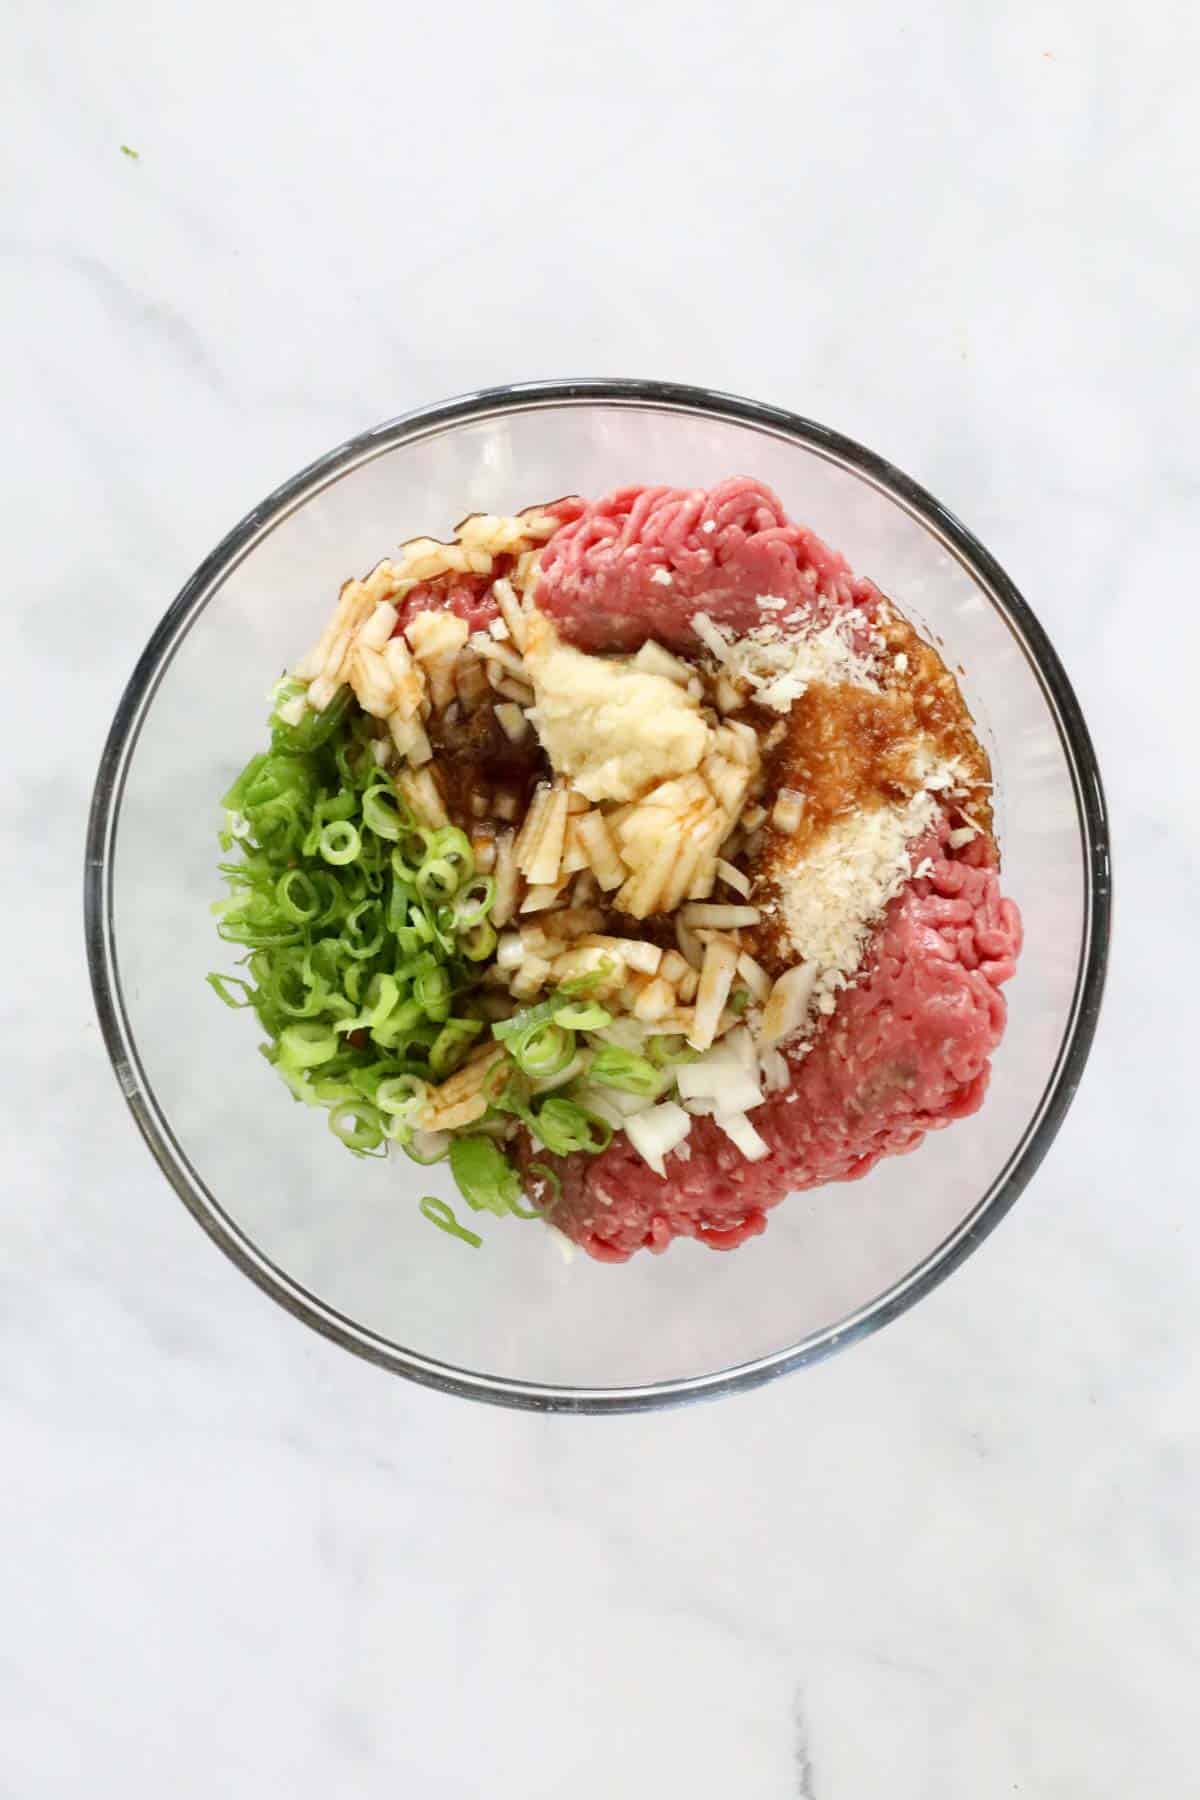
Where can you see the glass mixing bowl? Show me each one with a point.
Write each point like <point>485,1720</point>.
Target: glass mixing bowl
<point>342,1243</point>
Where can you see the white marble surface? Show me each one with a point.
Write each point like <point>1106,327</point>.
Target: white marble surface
<point>960,1560</point>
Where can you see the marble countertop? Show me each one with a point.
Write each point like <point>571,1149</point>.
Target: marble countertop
<point>960,1560</point>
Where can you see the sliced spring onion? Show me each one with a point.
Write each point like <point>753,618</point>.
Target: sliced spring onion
<point>486,1179</point>
<point>363,932</point>
<point>305,1046</point>
<point>579,985</point>
<point>437,878</point>
<point>428,1147</point>
<point>315,728</point>
<point>542,1049</point>
<point>451,1044</point>
<point>401,1095</point>
<point>583,1018</point>
<point>533,1210</point>
<point>358,1125</point>
<point>399,1025</point>
<point>473,902</point>
<point>362,929</point>
<point>548,1012</point>
<point>298,896</point>
<point>383,812</point>
<point>616,1068</point>
<point>431,989</point>
<point>563,1126</point>
<point>545,1173</point>
<point>478,941</point>
<point>408,856</point>
<point>440,1214</point>
<point>381,999</point>
<point>451,845</point>
<point>220,984</point>
<point>339,842</point>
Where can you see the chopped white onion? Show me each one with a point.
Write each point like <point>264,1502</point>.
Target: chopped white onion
<point>717,916</point>
<point>788,811</point>
<point>510,950</point>
<point>754,976</point>
<point>729,1086</point>
<point>740,1131</point>
<point>656,1132</point>
<point>733,877</point>
<point>787,1007</point>
<point>512,721</point>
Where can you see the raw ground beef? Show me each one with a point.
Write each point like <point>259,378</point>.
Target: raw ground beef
<point>905,1052</point>
<point>643,561</point>
<point>470,596</point>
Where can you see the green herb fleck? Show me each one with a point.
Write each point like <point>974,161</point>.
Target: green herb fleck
<point>133,155</point>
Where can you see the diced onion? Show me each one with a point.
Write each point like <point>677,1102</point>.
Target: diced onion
<point>741,1132</point>
<point>716,979</point>
<point>719,917</point>
<point>788,810</point>
<point>656,1132</point>
<point>510,951</point>
<point>787,1007</point>
<point>720,1078</point>
<point>733,877</point>
<point>754,976</point>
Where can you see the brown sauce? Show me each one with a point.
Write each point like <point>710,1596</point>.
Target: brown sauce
<point>847,750</point>
<point>473,755</point>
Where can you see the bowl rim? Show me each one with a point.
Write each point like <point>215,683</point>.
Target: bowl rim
<point>104,817</point>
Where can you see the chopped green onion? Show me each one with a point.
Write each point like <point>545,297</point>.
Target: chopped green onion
<point>670,1052</point>
<point>474,902</point>
<point>354,967</point>
<point>579,985</point>
<point>478,941</point>
<point>451,845</point>
<point>383,993</point>
<point>407,857</point>
<point>564,1126</point>
<point>304,1046</point>
<point>399,1025</point>
<point>431,989</point>
<point>541,1014</point>
<point>548,1174</point>
<point>382,811</point>
<point>358,1126</point>
<point>220,983</point>
<point>542,1049</point>
<point>616,1068</point>
<point>402,1095</point>
<point>441,1215</point>
<point>583,1018</point>
<point>451,1044</point>
<point>486,1179</point>
<point>315,728</point>
<point>339,842</point>
<point>437,878</point>
<point>363,932</point>
<point>533,1210</point>
<point>428,1147</point>
<point>298,897</point>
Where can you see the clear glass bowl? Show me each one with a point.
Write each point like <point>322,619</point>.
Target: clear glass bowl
<point>341,1243</point>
